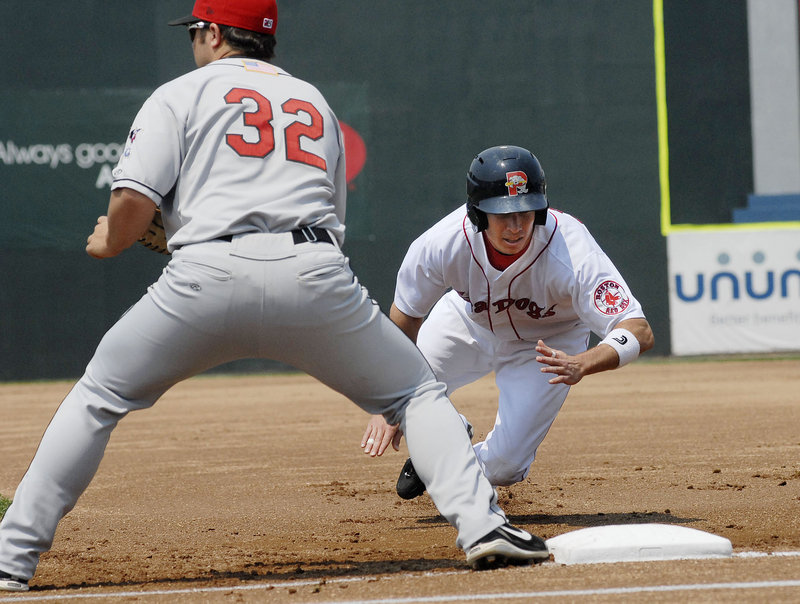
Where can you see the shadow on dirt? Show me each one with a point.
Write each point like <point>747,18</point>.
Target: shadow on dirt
<point>283,576</point>
<point>601,519</point>
<point>582,520</point>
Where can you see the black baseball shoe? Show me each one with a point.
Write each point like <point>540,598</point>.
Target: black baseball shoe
<point>409,484</point>
<point>9,583</point>
<point>506,545</point>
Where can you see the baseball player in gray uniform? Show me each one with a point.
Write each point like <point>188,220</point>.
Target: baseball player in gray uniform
<point>527,285</point>
<point>246,165</point>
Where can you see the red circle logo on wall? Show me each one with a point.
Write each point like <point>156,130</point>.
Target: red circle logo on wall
<point>355,151</point>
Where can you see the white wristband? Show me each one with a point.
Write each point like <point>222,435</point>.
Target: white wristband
<point>625,343</point>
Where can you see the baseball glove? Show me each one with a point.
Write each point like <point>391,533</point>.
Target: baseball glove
<point>154,237</point>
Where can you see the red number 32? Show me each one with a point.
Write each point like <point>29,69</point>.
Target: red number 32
<point>261,120</point>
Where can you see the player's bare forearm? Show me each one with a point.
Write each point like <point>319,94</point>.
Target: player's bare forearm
<point>409,325</point>
<point>641,330</point>
<point>129,215</point>
<point>570,369</point>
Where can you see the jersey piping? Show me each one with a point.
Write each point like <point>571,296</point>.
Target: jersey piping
<point>510,283</point>
<point>136,186</point>
<point>483,272</point>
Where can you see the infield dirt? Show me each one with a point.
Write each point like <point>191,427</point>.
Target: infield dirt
<point>245,480</point>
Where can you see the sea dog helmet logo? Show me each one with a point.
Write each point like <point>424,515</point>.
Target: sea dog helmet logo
<point>516,182</point>
<point>610,298</point>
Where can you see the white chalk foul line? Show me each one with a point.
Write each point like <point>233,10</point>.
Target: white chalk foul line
<point>575,592</point>
<point>765,554</point>
<point>32,597</point>
<point>443,598</point>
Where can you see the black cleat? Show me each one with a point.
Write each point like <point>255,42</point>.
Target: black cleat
<point>506,545</point>
<point>409,485</point>
<point>9,583</point>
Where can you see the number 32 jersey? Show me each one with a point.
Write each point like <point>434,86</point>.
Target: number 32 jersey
<point>562,284</point>
<point>236,146</point>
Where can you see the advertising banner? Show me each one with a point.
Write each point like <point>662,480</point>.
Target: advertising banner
<point>57,149</point>
<point>734,291</point>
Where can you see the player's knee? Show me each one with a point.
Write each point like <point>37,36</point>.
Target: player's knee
<point>503,474</point>
<point>423,398</point>
<point>504,479</point>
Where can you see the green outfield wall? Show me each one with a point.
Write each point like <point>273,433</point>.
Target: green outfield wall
<point>425,85</point>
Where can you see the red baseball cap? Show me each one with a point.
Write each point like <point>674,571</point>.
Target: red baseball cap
<point>260,16</point>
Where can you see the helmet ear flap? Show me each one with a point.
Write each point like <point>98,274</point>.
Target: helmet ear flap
<point>540,217</point>
<point>478,219</point>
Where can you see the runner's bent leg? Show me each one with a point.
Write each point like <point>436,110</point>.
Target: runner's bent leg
<point>526,408</point>
<point>458,350</point>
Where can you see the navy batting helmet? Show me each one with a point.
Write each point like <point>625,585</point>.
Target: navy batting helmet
<point>502,180</point>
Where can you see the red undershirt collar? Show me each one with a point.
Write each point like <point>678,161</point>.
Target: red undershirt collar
<point>499,260</point>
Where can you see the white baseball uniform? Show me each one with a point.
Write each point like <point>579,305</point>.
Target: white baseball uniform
<point>243,159</point>
<point>561,288</point>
